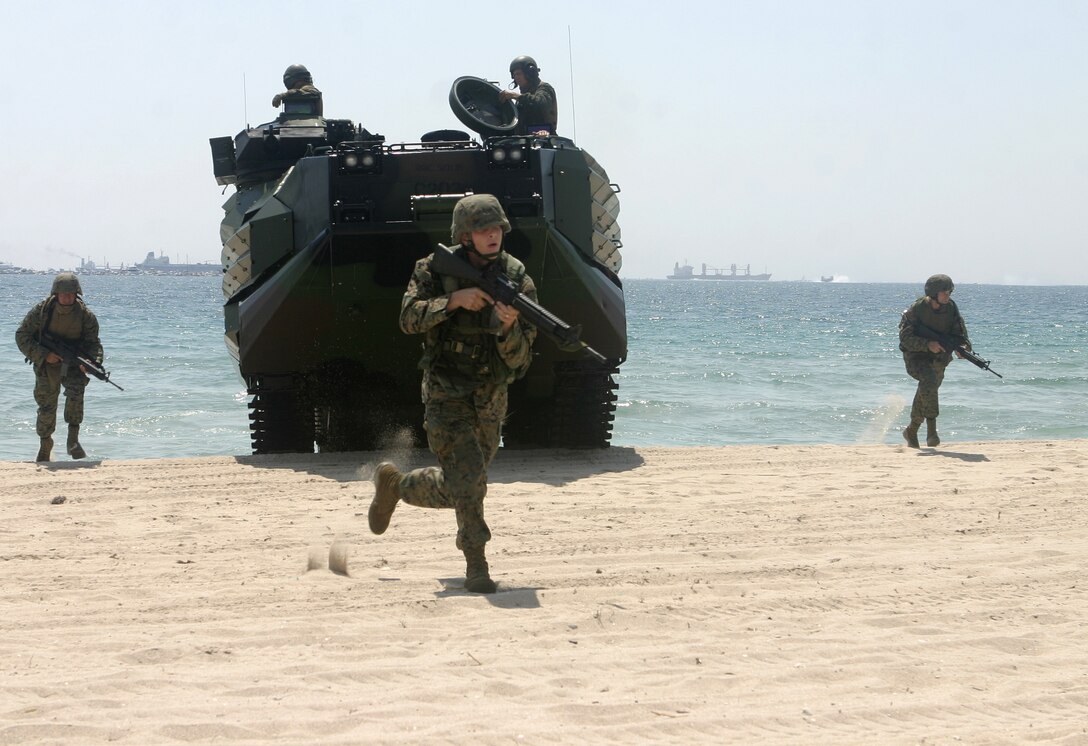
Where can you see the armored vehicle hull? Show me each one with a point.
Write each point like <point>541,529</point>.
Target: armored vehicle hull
<point>320,239</point>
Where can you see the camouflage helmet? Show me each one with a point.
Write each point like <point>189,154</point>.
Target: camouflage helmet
<point>296,74</point>
<point>527,65</point>
<point>477,212</point>
<point>937,283</point>
<point>66,282</point>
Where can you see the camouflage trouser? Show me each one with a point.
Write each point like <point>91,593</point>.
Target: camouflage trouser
<point>464,433</point>
<point>47,385</point>
<point>928,371</point>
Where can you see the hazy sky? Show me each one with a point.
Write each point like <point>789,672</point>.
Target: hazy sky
<point>879,141</point>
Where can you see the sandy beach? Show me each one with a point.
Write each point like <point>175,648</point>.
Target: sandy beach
<point>823,594</point>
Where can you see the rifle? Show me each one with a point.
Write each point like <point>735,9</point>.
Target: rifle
<point>72,355</point>
<point>954,343</point>
<point>500,287</point>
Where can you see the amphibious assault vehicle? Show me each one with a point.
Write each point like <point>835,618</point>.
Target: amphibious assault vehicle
<point>320,239</point>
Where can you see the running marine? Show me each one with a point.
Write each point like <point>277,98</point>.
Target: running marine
<point>65,317</point>
<point>925,358</point>
<point>473,348</point>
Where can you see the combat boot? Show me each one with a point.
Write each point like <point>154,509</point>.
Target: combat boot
<point>932,439</point>
<point>910,433</point>
<point>45,449</point>
<point>477,579</point>
<point>386,494</point>
<point>75,450</point>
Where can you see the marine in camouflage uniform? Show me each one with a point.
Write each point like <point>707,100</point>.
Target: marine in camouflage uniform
<point>926,359</point>
<point>64,316</point>
<point>300,85</point>
<point>538,110</point>
<point>473,348</point>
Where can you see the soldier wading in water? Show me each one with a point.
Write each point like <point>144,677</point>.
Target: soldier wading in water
<point>472,349</point>
<point>926,358</point>
<point>64,317</point>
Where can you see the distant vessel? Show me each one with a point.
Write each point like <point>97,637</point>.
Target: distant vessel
<point>827,279</point>
<point>686,272</point>
<point>6,268</point>
<point>163,265</point>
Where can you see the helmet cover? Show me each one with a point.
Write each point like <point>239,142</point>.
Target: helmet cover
<point>937,283</point>
<point>66,282</point>
<point>477,212</point>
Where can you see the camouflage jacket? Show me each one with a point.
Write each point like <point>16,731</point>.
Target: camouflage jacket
<point>81,327</point>
<point>946,320</point>
<point>463,349</point>
<point>538,109</point>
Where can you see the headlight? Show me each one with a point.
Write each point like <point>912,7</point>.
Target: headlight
<point>359,160</point>
<point>508,154</point>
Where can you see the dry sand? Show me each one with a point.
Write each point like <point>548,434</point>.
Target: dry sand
<point>825,594</point>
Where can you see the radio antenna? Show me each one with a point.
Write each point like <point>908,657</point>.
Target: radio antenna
<point>573,111</point>
<point>245,102</point>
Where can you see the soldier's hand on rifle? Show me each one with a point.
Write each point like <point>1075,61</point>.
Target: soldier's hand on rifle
<point>935,347</point>
<point>471,299</point>
<point>507,315</point>
<point>52,358</point>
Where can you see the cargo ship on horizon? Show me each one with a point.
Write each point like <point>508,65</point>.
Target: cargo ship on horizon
<point>687,272</point>
<point>162,264</point>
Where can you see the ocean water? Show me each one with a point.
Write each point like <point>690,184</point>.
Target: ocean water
<point>710,363</point>
<point>719,363</point>
<point>163,338</point>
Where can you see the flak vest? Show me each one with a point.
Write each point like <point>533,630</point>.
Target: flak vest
<point>946,322</point>
<point>465,345</point>
<point>68,326</point>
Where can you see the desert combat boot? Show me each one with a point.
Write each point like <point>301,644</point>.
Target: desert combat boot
<point>75,450</point>
<point>910,433</point>
<point>45,449</point>
<point>386,494</point>
<point>477,578</point>
<point>932,439</point>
